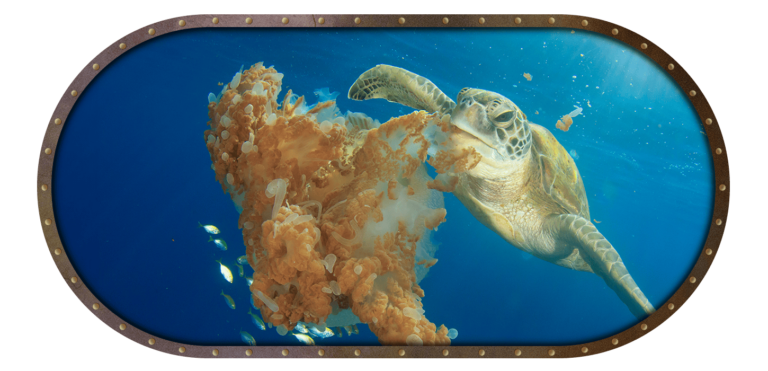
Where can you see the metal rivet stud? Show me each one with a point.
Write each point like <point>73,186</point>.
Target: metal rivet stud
<point>357,20</point>
<point>122,46</point>
<point>585,23</point>
<point>445,352</point>
<point>722,187</point>
<point>285,20</point>
<point>692,280</point>
<point>122,326</point>
<point>670,66</point>
<point>74,93</point>
<point>643,46</point>
<point>96,306</point>
<point>96,66</point>
<point>249,20</point>
<point>357,352</point>
<point>708,121</point>
<point>57,251</point>
<point>47,151</point>
<point>182,349</point>
<point>551,20</point>
<point>321,20</point>
<point>44,187</point>
<point>182,23</point>
<point>671,306</point>
<point>48,222</point>
<point>584,350</point>
<point>215,352</point>
<point>615,341</point>
<point>518,20</point>
<point>551,352</point>
<point>151,31</point>
<point>481,352</point>
<point>401,352</point>
<point>215,20</point>
<point>719,151</point>
<point>718,222</point>
<point>401,20</point>
<point>321,352</point>
<point>73,279</point>
<point>445,20</point>
<point>518,352</point>
<point>481,20</point>
<point>708,251</point>
<point>248,352</point>
<point>692,93</point>
<point>285,352</point>
<point>615,31</point>
<point>643,327</point>
<point>57,121</point>
<point>151,341</point>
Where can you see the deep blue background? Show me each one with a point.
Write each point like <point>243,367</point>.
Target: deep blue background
<point>132,177</point>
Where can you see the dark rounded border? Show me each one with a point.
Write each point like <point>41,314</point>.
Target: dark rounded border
<point>707,254</point>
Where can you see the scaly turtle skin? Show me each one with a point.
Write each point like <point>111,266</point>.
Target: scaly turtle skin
<point>526,187</point>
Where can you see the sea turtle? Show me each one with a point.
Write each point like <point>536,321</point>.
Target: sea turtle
<point>526,187</point>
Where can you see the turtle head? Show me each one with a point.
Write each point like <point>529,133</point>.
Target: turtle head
<point>499,127</point>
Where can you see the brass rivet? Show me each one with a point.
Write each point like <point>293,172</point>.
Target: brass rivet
<point>96,306</point>
<point>692,93</point>
<point>719,221</point>
<point>401,352</point>
<point>401,20</point>
<point>47,151</point>
<point>122,46</point>
<point>151,31</point>
<point>481,20</point>
<point>96,66</point>
<point>74,93</point>
<point>584,350</point>
<point>708,251</point>
<point>615,31</point>
<point>551,352</point>
<point>215,352</point>
<point>708,121</point>
<point>670,66</point>
<point>692,280</point>
<point>671,306</point>
<point>48,222</point>
<point>357,20</point>
<point>481,352</point>
<point>215,20</point>
<point>57,251</point>
<point>722,187</point>
<point>122,326</point>
<point>249,20</point>
<point>321,352</point>
<point>643,46</point>
<point>151,341</point>
<point>518,352</point>
<point>182,349</point>
<point>551,20</point>
<point>285,20</point>
<point>445,352</point>
<point>248,352</point>
<point>518,20</point>
<point>357,352</point>
<point>57,121</point>
<point>719,151</point>
<point>73,279</point>
<point>585,23</point>
<point>44,187</point>
<point>182,23</point>
<point>285,352</point>
<point>321,20</point>
<point>445,20</point>
<point>643,327</point>
<point>615,341</point>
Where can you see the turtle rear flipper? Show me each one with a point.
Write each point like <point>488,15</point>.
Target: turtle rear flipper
<point>603,259</point>
<point>400,86</point>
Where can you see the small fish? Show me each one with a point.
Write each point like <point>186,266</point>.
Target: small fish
<point>257,320</point>
<point>225,272</point>
<point>300,327</point>
<point>228,299</point>
<point>597,221</point>
<point>239,269</point>
<point>355,329</point>
<point>304,339</point>
<point>247,338</point>
<point>221,244</point>
<point>249,281</point>
<point>209,228</point>
<point>349,330</point>
<point>321,334</point>
<point>338,331</point>
<point>242,260</point>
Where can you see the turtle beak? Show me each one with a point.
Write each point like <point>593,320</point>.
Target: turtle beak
<point>474,121</point>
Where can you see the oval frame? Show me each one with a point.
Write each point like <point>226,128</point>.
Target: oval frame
<point>632,39</point>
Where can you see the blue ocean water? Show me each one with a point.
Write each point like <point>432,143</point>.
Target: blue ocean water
<point>132,177</point>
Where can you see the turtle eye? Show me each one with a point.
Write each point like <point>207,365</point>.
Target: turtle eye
<point>504,117</point>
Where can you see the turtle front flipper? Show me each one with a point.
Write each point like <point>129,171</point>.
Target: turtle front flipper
<point>602,258</point>
<point>400,86</point>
